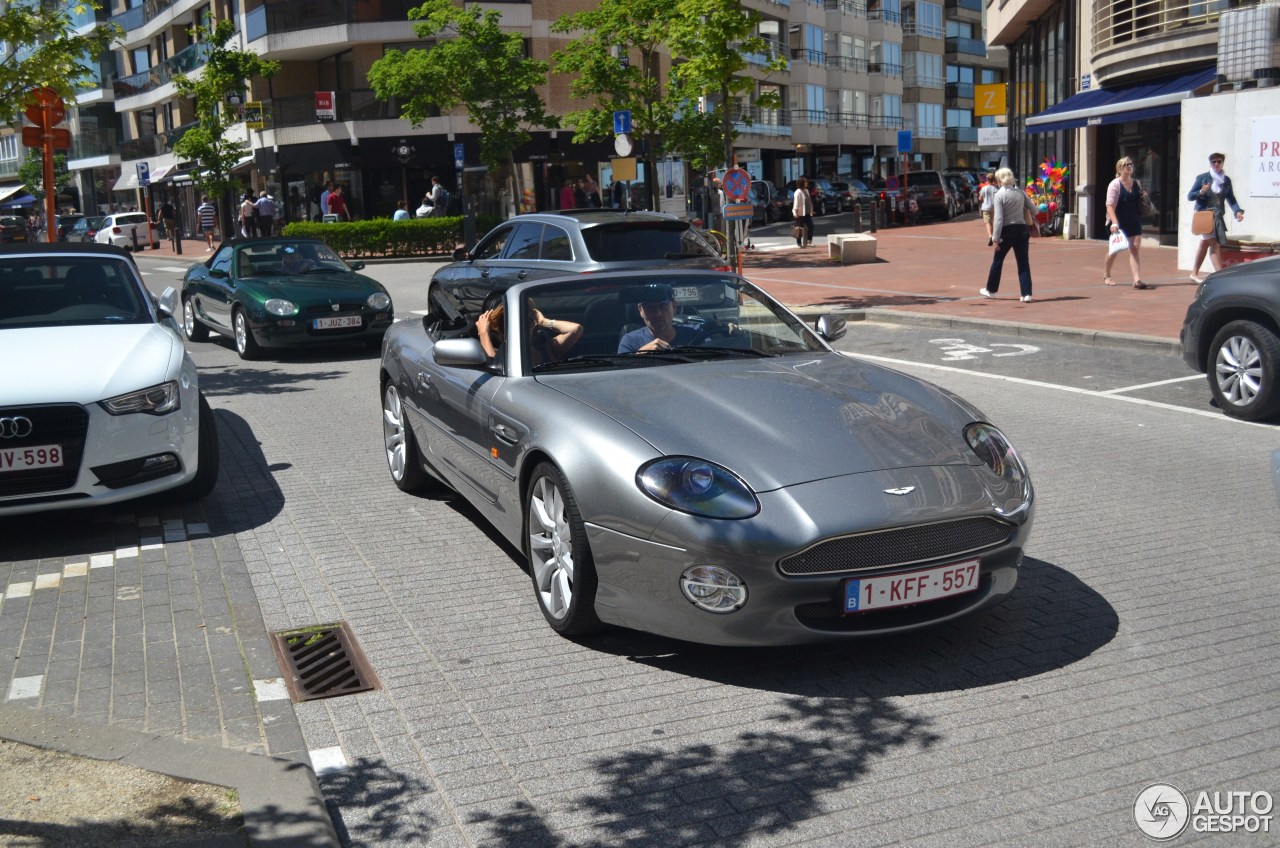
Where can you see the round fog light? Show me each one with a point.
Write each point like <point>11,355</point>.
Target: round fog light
<point>713,589</point>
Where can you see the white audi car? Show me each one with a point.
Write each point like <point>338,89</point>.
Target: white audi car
<point>99,401</point>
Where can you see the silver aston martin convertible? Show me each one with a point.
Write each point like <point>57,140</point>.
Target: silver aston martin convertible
<point>676,452</point>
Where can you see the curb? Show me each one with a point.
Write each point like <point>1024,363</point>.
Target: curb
<point>280,799</point>
<point>1150,344</point>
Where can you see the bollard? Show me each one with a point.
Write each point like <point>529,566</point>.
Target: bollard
<point>133,234</point>
<point>857,217</point>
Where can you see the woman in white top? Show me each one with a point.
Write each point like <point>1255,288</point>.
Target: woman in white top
<point>987,194</point>
<point>802,211</point>
<point>1009,230</point>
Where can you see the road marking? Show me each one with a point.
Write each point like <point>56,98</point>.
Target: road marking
<point>1204,413</point>
<point>25,687</point>
<point>958,349</point>
<point>327,760</point>
<point>270,689</point>
<point>1153,385</point>
<point>181,269</point>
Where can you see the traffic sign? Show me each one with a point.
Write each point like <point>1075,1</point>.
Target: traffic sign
<point>891,183</point>
<point>622,144</point>
<point>904,141</point>
<point>458,157</point>
<point>737,211</point>
<point>144,174</point>
<point>736,184</point>
<point>59,138</point>
<point>622,122</point>
<point>45,104</point>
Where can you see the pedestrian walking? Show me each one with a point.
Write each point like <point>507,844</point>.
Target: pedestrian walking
<point>802,213</point>
<point>265,213</point>
<point>1013,215</point>
<point>166,218</point>
<point>1212,193</point>
<point>207,216</point>
<point>567,197</point>
<point>1124,196</point>
<point>987,196</point>
<point>338,204</point>
<point>592,189</point>
<point>439,198</point>
<point>248,222</point>
<point>324,198</point>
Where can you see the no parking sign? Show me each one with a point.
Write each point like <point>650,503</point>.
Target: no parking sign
<point>736,184</point>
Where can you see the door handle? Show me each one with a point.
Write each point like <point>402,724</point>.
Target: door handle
<point>522,275</point>
<point>423,378</point>
<point>504,433</point>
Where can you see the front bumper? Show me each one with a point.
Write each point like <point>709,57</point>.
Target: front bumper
<point>298,331</point>
<point>639,578</point>
<point>1189,336</point>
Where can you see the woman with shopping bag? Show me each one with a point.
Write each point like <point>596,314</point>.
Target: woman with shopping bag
<point>1211,192</point>
<point>1124,201</point>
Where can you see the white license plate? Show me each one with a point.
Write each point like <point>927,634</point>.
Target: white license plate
<point>340,321</point>
<point>912,587</point>
<point>26,459</point>
<point>686,292</point>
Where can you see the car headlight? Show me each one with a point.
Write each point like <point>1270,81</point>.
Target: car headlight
<point>157,400</point>
<point>697,487</point>
<point>379,300</point>
<point>995,451</point>
<point>713,588</point>
<point>281,307</point>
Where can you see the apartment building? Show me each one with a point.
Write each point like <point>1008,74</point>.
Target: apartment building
<point>860,72</point>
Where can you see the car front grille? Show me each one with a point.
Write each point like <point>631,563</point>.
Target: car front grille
<point>901,546</point>
<point>324,310</point>
<point>64,425</point>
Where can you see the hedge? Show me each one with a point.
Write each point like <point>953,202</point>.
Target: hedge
<point>383,237</point>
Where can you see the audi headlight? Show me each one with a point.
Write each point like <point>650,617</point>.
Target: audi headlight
<point>995,451</point>
<point>280,307</point>
<point>157,400</point>
<point>379,301</point>
<point>697,487</point>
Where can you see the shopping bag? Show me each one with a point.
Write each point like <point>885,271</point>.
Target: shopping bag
<point>1118,242</point>
<point>797,232</point>
<point>1202,222</point>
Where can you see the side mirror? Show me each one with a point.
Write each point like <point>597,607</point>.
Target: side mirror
<point>464,353</point>
<point>831,327</point>
<point>218,274</point>
<point>357,266</point>
<point>169,302</point>
<point>460,254</point>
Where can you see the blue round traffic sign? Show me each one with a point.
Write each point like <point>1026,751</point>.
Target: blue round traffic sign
<point>891,183</point>
<point>736,184</point>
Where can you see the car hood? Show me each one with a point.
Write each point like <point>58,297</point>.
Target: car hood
<point>782,421</point>
<point>85,364</point>
<point>312,287</point>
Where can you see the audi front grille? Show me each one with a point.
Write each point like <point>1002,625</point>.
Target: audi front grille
<point>64,425</point>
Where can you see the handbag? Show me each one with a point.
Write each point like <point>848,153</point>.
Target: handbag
<point>1118,242</point>
<point>1145,206</point>
<point>797,232</point>
<point>1202,222</point>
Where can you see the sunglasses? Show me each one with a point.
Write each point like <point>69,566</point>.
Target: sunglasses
<point>1216,161</point>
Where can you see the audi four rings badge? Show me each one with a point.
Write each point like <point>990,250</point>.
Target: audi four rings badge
<point>17,427</point>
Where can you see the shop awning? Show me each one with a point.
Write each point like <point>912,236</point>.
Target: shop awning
<point>1156,99</point>
<point>8,191</point>
<point>128,181</point>
<point>158,175</point>
<point>21,200</point>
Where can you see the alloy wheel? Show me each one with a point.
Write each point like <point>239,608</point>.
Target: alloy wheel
<point>551,548</point>
<point>1239,370</point>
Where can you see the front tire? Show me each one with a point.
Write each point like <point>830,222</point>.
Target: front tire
<point>560,563</point>
<point>191,326</point>
<point>246,345</point>
<point>206,477</point>
<point>403,459</point>
<point>1244,365</point>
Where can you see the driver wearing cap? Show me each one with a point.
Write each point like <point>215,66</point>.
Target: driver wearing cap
<point>294,262</point>
<point>660,332</point>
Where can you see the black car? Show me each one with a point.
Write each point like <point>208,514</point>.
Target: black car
<point>13,228</point>
<point>851,192</point>
<point>1232,334</point>
<point>934,194</point>
<point>86,229</point>
<point>550,244</point>
<point>66,223</point>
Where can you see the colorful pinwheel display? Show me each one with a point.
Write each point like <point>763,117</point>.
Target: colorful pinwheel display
<point>1046,190</point>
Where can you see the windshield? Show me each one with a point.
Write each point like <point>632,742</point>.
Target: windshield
<point>287,258</point>
<point>63,291</point>
<point>654,320</point>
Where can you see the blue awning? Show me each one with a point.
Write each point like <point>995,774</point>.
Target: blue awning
<point>24,200</point>
<point>1160,98</point>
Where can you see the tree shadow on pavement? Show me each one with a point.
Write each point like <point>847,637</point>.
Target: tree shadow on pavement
<point>382,805</point>
<point>220,382</point>
<point>837,713</point>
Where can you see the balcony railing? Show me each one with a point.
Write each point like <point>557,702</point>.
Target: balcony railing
<point>911,78</point>
<point>1126,21</point>
<point>847,7</point>
<point>887,68</point>
<point>889,16</point>
<point>968,46</point>
<point>923,30</point>
<point>292,17</point>
<point>971,5</point>
<point>808,57</point>
<point>773,50</point>
<point>963,135</point>
<point>356,105</point>
<point>183,62</point>
<point>846,63</point>
<point>91,144</point>
<point>960,90</point>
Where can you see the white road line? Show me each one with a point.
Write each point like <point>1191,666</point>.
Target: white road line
<point>1152,385</point>
<point>1214,414</point>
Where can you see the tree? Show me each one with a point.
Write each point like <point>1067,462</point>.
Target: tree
<point>712,39</point>
<point>224,76</point>
<point>31,173</point>
<point>475,65</point>
<point>42,48</point>
<point>600,57</point>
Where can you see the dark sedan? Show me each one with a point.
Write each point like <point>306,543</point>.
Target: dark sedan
<point>13,228</point>
<point>1232,334</point>
<point>281,292</point>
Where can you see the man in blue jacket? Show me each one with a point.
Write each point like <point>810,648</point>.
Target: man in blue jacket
<point>1212,191</point>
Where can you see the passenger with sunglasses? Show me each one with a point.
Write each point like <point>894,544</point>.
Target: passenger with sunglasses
<point>1212,191</point>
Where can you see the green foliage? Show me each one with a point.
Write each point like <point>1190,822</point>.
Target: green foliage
<point>381,237</point>
<point>473,64</point>
<point>226,74</point>
<point>41,48</point>
<point>31,172</point>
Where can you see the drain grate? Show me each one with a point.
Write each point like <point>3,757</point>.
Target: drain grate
<point>322,662</point>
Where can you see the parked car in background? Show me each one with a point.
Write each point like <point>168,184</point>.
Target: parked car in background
<point>283,292</point>
<point>821,192</point>
<point>548,244</point>
<point>744,485</point>
<point>961,192</point>
<point>850,192</point>
<point>763,193</point>
<point>86,229</point>
<point>1232,333</point>
<point>14,228</point>
<point>933,193</point>
<point>126,229</point>
<point>109,406</point>
<point>66,223</point>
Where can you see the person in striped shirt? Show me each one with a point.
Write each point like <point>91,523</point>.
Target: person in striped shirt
<point>207,216</point>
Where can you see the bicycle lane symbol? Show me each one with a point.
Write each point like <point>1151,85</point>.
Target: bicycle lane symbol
<point>955,350</point>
